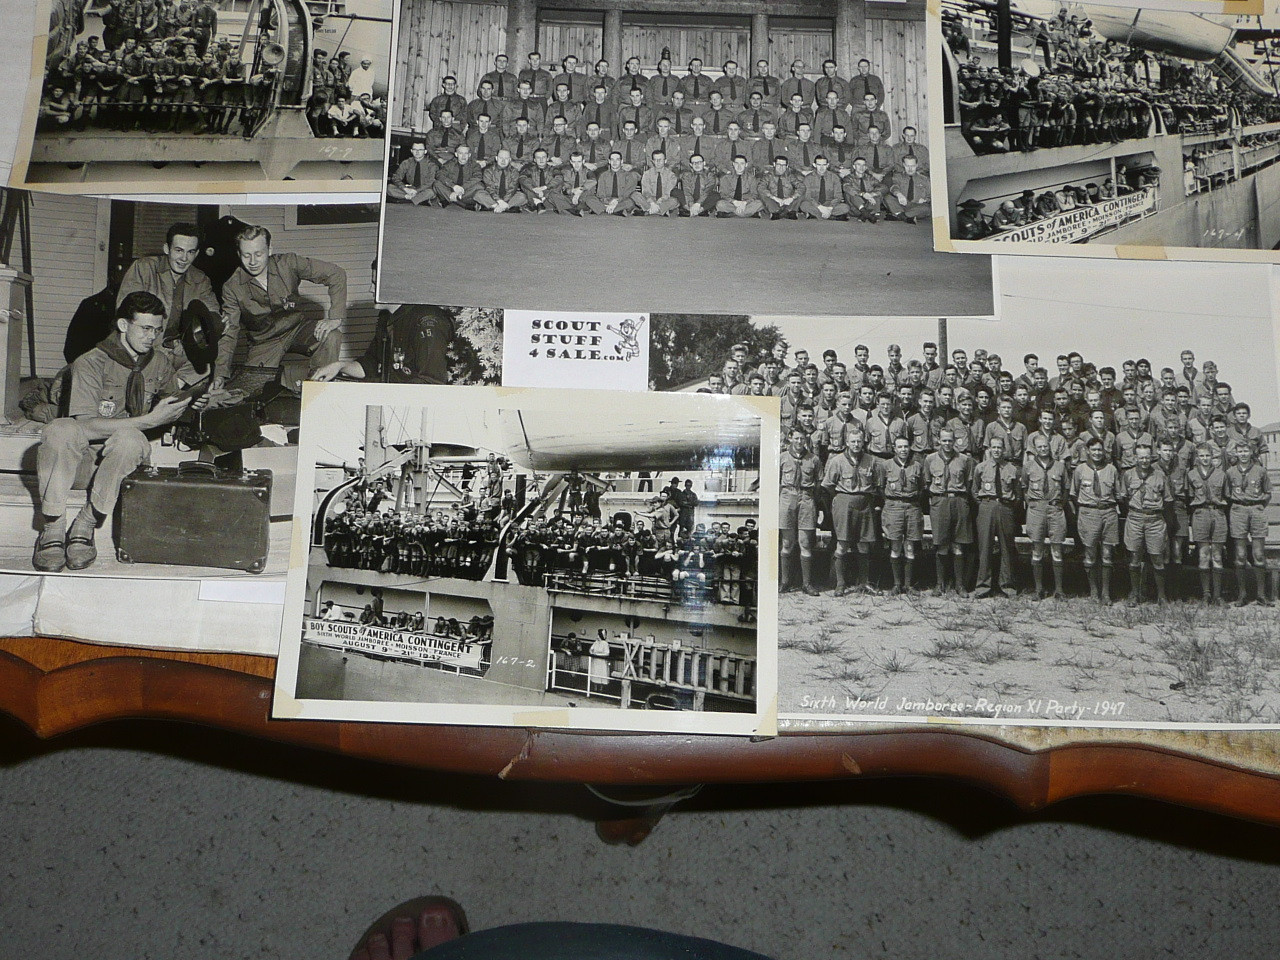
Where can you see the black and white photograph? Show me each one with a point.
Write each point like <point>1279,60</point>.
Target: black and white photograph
<point>154,357</point>
<point>206,96</point>
<point>1091,130</point>
<point>1061,516</point>
<point>551,558</point>
<point>672,156</point>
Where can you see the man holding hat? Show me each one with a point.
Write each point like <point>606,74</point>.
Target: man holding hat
<point>183,288</point>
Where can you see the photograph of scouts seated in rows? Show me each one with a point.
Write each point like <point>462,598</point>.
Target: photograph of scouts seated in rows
<point>1072,505</point>
<point>193,94</point>
<point>637,144</point>
<point>154,385</point>
<point>1069,128</point>
<point>477,554</point>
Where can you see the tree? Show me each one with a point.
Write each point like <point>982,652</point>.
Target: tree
<point>687,347</point>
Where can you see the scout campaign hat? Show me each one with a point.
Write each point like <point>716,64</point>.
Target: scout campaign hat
<point>199,330</point>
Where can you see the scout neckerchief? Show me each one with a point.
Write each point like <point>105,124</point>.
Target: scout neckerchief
<point>135,391</point>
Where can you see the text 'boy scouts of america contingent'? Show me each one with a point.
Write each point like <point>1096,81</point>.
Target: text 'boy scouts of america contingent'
<point>169,328</point>
<point>1100,458</point>
<point>662,145</point>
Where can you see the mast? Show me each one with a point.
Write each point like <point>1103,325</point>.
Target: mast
<point>375,454</point>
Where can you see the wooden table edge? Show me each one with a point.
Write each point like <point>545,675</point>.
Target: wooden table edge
<point>55,687</point>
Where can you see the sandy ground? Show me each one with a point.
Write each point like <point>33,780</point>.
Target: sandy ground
<point>1018,659</point>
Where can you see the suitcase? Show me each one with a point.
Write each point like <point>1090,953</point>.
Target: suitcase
<point>195,514</point>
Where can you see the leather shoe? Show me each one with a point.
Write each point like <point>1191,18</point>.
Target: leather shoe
<point>49,556</point>
<point>81,551</point>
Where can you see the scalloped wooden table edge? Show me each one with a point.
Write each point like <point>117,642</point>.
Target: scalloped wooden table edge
<point>57,686</point>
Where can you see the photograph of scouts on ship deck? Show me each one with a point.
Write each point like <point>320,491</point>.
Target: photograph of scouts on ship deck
<point>1069,124</point>
<point>569,572</point>
<point>199,91</point>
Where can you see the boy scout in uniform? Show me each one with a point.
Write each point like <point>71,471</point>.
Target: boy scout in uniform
<point>538,78</point>
<point>1248,490</point>
<point>902,517</point>
<point>1095,487</point>
<point>540,182</point>
<point>262,296</point>
<point>576,183</point>
<point>414,177</point>
<point>780,191</point>
<point>852,482</point>
<point>655,197</point>
<point>459,179</point>
<point>950,478</point>
<point>112,408</point>
<point>864,192</point>
<point>1207,499</point>
<point>823,193</point>
<point>908,195</point>
<point>997,486</point>
<point>1146,493</point>
<point>801,473</point>
<point>448,100</point>
<point>504,83</point>
<point>739,194</point>
<point>699,189</point>
<point>500,186</point>
<point>173,278</point>
<point>614,189</point>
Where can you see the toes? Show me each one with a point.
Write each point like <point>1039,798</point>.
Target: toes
<point>436,925</point>
<point>403,939</point>
<point>378,947</point>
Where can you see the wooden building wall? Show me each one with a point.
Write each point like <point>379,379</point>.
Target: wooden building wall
<point>713,43</point>
<point>896,49</point>
<point>65,232</point>
<point>581,35</point>
<point>438,38</point>
<point>152,221</point>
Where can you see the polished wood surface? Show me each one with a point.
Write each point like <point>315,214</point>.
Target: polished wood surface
<point>56,686</point>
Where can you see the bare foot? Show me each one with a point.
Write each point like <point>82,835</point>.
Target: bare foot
<point>410,928</point>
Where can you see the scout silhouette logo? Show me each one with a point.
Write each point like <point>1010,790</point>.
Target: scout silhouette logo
<point>628,331</point>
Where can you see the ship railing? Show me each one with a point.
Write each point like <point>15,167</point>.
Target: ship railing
<point>652,674</point>
<point>692,591</point>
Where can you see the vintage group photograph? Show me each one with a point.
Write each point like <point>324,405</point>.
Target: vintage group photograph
<point>559,558</point>
<point>161,96</point>
<point>1071,504</point>
<point>154,359</point>
<point>672,156</point>
<point>1083,129</point>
